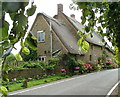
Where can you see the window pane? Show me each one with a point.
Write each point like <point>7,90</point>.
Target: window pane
<point>41,36</point>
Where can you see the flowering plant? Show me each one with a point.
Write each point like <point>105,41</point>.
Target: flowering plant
<point>14,79</point>
<point>77,68</point>
<point>109,62</point>
<point>62,70</point>
<point>82,66</point>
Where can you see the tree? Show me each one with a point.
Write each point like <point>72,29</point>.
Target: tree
<point>31,57</point>
<point>10,58</point>
<point>9,37</point>
<point>107,15</point>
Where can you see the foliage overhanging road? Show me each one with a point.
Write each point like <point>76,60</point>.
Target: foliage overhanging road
<point>98,83</point>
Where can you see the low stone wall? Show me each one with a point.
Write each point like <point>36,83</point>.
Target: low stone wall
<point>32,73</point>
<point>35,72</point>
<point>25,73</point>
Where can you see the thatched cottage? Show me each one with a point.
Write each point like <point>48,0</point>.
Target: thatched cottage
<point>58,34</point>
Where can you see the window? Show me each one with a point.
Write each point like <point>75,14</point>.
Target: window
<point>90,57</point>
<point>91,46</point>
<point>42,58</point>
<point>40,36</point>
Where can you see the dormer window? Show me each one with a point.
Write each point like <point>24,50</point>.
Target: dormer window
<point>41,36</point>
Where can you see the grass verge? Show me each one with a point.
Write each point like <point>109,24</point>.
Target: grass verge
<point>17,86</point>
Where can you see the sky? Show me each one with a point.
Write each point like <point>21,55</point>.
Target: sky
<point>49,7</point>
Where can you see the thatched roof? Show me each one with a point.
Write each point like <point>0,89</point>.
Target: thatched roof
<point>64,34</point>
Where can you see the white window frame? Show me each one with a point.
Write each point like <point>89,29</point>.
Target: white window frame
<point>39,36</point>
<point>40,58</point>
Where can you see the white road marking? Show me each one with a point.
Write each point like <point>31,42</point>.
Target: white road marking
<point>110,92</point>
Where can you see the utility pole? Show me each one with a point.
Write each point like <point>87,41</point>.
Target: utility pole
<point>51,39</point>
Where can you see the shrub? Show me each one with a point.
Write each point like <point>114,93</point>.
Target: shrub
<point>28,65</point>
<point>98,67</point>
<point>68,62</point>
<point>10,58</point>
<point>35,64</point>
<point>85,67</point>
<point>53,60</point>
<point>94,66</point>
<point>52,63</point>
<point>82,67</point>
<point>109,63</point>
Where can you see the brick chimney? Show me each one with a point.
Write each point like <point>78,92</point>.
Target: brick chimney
<point>72,16</point>
<point>60,8</point>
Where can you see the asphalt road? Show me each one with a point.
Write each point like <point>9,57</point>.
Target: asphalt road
<point>98,83</point>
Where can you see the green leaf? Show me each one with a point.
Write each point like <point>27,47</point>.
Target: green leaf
<point>14,40</point>
<point>12,15</point>
<point>25,4</point>
<point>11,6</point>
<point>83,19</point>
<point>31,11</point>
<point>87,29</point>
<point>82,5</point>
<point>99,28</point>
<point>103,25</point>
<point>4,90</point>
<point>1,51</point>
<point>5,44</point>
<point>80,41</point>
<point>19,28</point>
<point>34,38</point>
<point>26,51</point>
<point>86,35</point>
<point>22,44</point>
<point>22,20</point>
<point>85,46</point>
<point>32,42</point>
<point>18,57</point>
<point>6,68</point>
<point>86,12</point>
<point>5,30</point>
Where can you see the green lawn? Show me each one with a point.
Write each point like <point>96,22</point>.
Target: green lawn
<point>17,86</point>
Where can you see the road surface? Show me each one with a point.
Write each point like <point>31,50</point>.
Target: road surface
<point>98,83</point>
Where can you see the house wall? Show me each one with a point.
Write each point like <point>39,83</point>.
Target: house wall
<point>44,48</point>
<point>94,52</point>
<point>109,53</point>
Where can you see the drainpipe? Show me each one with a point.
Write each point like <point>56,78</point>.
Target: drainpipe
<point>51,39</point>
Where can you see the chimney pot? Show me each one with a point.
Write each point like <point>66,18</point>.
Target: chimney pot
<point>72,16</point>
<point>60,8</point>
